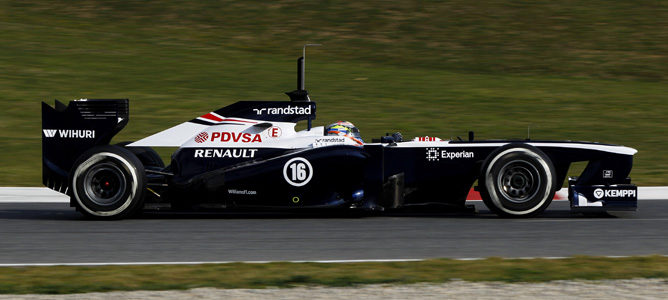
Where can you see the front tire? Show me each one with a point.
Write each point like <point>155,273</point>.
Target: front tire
<point>517,180</point>
<point>108,182</point>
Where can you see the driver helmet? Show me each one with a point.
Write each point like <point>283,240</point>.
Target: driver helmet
<point>344,128</point>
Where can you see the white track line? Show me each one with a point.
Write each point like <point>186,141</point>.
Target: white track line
<point>206,262</point>
<point>336,261</point>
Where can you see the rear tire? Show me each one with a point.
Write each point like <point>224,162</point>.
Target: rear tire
<point>517,180</point>
<point>108,182</point>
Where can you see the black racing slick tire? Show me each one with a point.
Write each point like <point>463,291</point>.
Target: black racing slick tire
<point>108,182</point>
<point>517,180</point>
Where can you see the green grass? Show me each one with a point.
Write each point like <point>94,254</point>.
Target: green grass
<point>67,279</point>
<point>579,70</point>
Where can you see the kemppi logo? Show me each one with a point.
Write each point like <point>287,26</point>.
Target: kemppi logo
<point>600,193</point>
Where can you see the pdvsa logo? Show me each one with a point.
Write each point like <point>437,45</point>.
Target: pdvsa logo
<point>235,137</point>
<point>202,137</point>
<point>69,133</point>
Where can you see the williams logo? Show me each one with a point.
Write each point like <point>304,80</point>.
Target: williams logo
<point>288,110</point>
<point>434,154</point>
<point>241,192</point>
<point>69,133</point>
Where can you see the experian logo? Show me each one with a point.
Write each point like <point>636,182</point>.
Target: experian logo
<point>69,133</point>
<point>288,110</point>
<point>433,154</point>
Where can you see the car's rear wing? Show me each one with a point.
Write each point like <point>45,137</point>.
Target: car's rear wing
<point>68,131</point>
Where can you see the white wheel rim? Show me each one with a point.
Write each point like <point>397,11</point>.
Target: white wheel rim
<point>489,182</point>
<point>91,161</point>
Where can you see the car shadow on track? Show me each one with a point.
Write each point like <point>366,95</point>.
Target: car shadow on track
<point>58,212</point>
<point>483,214</point>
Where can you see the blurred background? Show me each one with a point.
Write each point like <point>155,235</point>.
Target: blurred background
<point>569,70</point>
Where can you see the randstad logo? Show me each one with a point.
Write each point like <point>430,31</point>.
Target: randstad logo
<point>69,133</point>
<point>288,110</point>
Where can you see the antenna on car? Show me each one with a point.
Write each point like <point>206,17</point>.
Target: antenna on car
<point>301,94</point>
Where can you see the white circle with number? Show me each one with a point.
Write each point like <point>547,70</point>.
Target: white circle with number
<point>298,171</point>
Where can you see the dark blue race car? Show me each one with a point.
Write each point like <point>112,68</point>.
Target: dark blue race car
<point>248,155</point>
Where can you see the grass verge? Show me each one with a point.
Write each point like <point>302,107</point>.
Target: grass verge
<point>70,279</point>
<point>578,70</point>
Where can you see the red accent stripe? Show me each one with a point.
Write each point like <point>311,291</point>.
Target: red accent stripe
<point>473,195</point>
<point>211,117</point>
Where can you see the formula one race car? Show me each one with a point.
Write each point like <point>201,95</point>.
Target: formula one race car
<point>248,155</point>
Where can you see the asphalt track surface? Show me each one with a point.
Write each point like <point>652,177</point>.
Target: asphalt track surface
<point>54,233</point>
